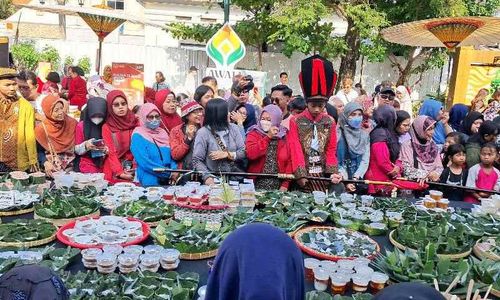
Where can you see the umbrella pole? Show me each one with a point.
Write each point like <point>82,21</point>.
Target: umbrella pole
<point>99,57</point>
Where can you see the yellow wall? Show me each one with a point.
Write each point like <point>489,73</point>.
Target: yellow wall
<point>463,60</point>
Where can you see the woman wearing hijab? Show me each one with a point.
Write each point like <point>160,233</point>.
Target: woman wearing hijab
<point>107,75</point>
<point>384,150</point>
<point>434,109</point>
<point>458,112</point>
<point>404,98</point>
<point>77,93</point>
<point>420,155</point>
<point>353,144</point>
<point>167,106</point>
<point>218,145</point>
<point>268,151</point>
<point>151,148</point>
<point>182,136</point>
<point>471,124</point>
<point>403,121</point>
<point>56,135</point>
<point>90,145</point>
<point>367,105</point>
<point>31,282</point>
<point>257,261</point>
<point>117,135</point>
<point>244,117</point>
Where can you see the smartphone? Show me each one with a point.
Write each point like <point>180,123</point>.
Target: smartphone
<point>98,143</point>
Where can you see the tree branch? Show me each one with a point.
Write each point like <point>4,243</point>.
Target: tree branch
<point>395,62</point>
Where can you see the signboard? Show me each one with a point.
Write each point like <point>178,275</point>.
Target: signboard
<point>225,48</point>
<point>225,78</point>
<point>130,79</point>
<point>481,77</point>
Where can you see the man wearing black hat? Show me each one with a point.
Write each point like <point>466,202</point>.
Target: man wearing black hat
<point>313,137</point>
<point>17,126</point>
<point>386,96</point>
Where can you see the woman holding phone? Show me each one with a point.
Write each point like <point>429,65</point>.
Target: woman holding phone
<point>89,143</point>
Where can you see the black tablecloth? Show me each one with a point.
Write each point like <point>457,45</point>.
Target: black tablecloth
<point>201,266</point>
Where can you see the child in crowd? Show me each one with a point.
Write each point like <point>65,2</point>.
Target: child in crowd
<point>452,138</point>
<point>454,174</point>
<point>483,175</point>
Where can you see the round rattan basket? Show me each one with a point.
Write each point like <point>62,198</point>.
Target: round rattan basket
<point>198,256</point>
<point>16,212</point>
<point>62,222</point>
<point>298,233</point>
<point>28,244</point>
<point>447,256</point>
<point>484,254</point>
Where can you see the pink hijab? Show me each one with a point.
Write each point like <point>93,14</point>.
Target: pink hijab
<point>158,135</point>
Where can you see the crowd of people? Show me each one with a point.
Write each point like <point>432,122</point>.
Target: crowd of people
<point>351,135</point>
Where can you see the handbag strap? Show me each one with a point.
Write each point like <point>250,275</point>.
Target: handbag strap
<point>219,141</point>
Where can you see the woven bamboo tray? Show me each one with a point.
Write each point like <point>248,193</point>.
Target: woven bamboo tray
<point>28,244</point>
<point>447,256</point>
<point>298,233</point>
<point>16,212</point>
<point>483,254</point>
<point>62,222</point>
<point>198,256</point>
<point>495,292</point>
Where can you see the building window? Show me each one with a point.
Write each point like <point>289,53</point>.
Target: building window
<point>117,4</point>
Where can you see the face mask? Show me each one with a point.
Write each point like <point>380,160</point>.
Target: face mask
<point>97,121</point>
<point>153,124</point>
<point>355,122</point>
<point>266,125</point>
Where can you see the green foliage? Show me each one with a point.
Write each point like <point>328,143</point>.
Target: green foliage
<point>25,55</point>
<point>51,55</point>
<point>69,61</point>
<point>6,9</point>
<point>197,32</point>
<point>84,63</point>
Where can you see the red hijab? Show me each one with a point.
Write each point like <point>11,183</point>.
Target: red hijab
<point>60,134</point>
<point>169,121</point>
<point>120,125</point>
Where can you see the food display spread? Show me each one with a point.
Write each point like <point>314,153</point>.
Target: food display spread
<point>430,244</point>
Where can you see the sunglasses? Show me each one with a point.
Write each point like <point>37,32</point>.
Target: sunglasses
<point>151,118</point>
<point>385,97</point>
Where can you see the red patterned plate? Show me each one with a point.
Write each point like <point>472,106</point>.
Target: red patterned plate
<point>63,239</point>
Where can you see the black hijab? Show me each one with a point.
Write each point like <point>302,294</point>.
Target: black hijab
<point>385,117</point>
<point>95,107</point>
<point>469,120</point>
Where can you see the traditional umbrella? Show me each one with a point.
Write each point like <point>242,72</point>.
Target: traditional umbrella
<point>102,19</point>
<point>446,32</point>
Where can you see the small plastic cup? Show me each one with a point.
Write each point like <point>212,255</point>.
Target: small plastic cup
<point>436,195</point>
<point>321,277</point>
<point>360,283</point>
<point>128,263</point>
<point>309,265</point>
<point>202,291</point>
<point>443,203</point>
<point>345,264</point>
<point>133,249</point>
<point>328,265</point>
<point>106,263</point>
<point>378,281</point>
<point>112,249</point>
<point>150,262</point>
<point>364,271</point>
<point>339,283</point>
<point>89,257</point>
<point>153,249</point>
<point>361,261</point>
<point>430,203</point>
<point>169,256</point>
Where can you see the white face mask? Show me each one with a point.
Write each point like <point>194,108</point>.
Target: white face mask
<point>97,120</point>
<point>266,125</point>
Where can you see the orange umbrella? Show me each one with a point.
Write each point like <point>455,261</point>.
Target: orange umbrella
<point>446,32</point>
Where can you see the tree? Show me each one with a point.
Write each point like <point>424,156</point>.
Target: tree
<point>25,55</point>
<point>6,9</point>
<point>69,61</point>
<point>84,63</point>
<point>300,28</point>
<point>51,55</point>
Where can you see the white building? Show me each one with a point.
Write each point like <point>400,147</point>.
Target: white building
<point>158,50</point>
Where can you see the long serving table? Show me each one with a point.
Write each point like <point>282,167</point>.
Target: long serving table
<point>202,266</point>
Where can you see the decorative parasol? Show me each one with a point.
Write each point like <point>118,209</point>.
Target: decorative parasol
<point>446,32</point>
<point>102,19</point>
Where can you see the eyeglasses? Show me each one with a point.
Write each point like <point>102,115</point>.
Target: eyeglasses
<point>385,97</point>
<point>153,117</point>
